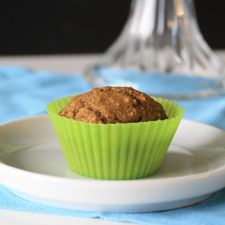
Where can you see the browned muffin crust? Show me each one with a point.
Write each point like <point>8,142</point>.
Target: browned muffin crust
<point>113,105</point>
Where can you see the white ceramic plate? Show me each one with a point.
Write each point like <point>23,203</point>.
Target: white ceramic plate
<point>33,166</point>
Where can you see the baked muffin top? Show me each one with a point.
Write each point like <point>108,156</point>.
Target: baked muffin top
<point>113,105</point>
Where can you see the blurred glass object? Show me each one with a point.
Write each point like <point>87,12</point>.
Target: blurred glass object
<point>161,51</point>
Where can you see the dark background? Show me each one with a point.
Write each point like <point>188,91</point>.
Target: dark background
<point>84,26</point>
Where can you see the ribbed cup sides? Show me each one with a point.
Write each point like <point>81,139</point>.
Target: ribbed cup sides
<point>115,151</point>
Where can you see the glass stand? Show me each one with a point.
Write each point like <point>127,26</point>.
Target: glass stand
<point>161,51</point>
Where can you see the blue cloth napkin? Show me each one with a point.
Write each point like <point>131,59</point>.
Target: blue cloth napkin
<point>24,93</point>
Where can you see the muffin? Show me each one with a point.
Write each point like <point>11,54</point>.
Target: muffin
<point>113,105</point>
<point>114,133</point>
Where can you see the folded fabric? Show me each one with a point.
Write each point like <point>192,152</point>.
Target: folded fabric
<point>25,93</point>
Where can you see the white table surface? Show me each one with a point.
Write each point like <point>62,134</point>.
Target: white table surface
<point>8,217</point>
<point>60,63</point>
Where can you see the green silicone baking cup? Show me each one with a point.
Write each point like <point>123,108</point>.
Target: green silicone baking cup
<point>120,151</point>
